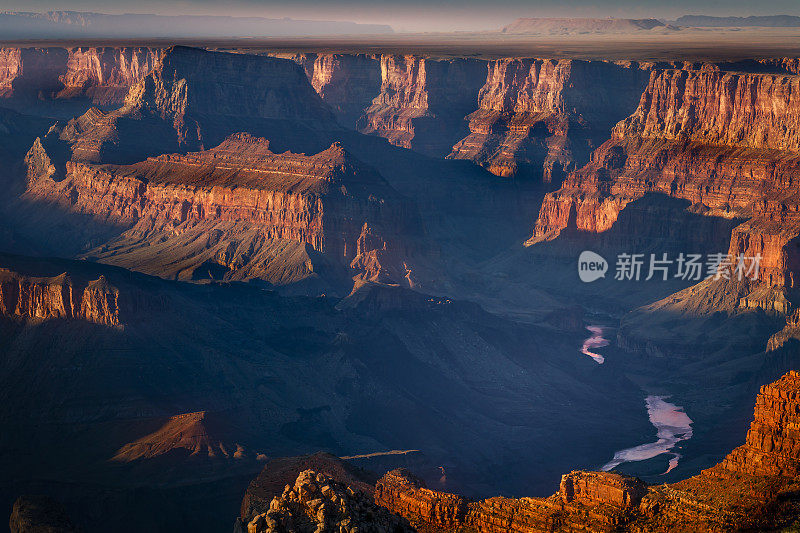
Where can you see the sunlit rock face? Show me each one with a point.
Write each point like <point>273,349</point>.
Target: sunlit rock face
<point>753,488</point>
<point>542,118</point>
<point>58,298</point>
<point>422,102</point>
<point>346,82</point>
<point>241,201</point>
<point>101,75</point>
<point>723,141</point>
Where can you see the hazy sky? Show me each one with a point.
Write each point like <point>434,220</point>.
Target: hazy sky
<point>425,15</point>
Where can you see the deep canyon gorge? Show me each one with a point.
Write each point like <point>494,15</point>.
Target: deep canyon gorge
<point>257,288</point>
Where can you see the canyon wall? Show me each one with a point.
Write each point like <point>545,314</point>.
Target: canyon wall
<point>542,118</point>
<point>726,142</point>
<point>346,82</point>
<point>422,102</point>
<point>239,196</point>
<point>753,488</point>
<point>102,75</point>
<point>58,297</point>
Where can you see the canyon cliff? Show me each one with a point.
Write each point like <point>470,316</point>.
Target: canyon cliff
<point>422,101</point>
<point>542,118</point>
<point>717,139</point>
<point>101,75</point>
<point>238,211</point>
<point>346,82</point>
<point>753,488</point>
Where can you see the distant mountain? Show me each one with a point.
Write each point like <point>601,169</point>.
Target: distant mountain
<point>561,26</point>
<point>771,21</point>
<point>73,24</point>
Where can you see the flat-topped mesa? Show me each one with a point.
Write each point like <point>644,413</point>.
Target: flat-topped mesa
<point>544,117</point>
<point>58,297</point>
<point>100,74</point>
<point>772,446</point>
<point>346,82</point>
<point>422,101</point>
<point>581,25</point>
<point>729,143</point>
<point>328,201</point>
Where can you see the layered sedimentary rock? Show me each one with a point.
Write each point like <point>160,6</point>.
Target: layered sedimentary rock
<point>193,99</point>
<point>238,199</point>
<point>317,502</point>
<point>346,82</point>
<point>726,142</point>
<point>423,102</point>
<point>753,488</point>
<point>593,501</point>
<point>102,75</point>
<point>544,117</point>
<point>58,297</point>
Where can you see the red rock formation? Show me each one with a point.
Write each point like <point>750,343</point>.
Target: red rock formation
<point>346,82</point>
<point>330,201</point>
<point>48,298</point>
<point>31,72</point>
<point>422,101</point>
<point>283,471</point>
<point>316,502</point>
<point>754,488</point>
<point>726,142</point>
<point>105,74</point>
<point>102,75</point>
<point>544,117</point>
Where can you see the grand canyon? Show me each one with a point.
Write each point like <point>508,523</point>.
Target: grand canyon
<point>262,274</point>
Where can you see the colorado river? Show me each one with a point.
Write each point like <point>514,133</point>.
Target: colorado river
<point>673,426</point>
<point>595,341</point>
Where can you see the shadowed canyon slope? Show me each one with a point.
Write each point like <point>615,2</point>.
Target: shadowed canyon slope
<point>753,488</point>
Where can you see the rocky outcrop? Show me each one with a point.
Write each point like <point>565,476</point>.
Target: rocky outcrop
<point>316,502</point>
<point>346,82</point>
<point>587,501</point>
<point>102,75</point>
<point>281,472</point>
<point>753,488</point>
<point>542,118</point>
<point>328,201</point>
<point>772,447</point>
<point>423,102</point>
<point>58,297</point>
<point>39,514</point>
<point>723,141</point>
